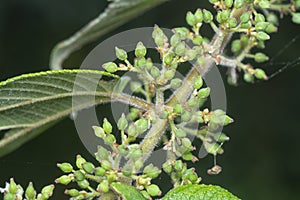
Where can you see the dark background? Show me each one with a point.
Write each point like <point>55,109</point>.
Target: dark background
<point>260,162</point>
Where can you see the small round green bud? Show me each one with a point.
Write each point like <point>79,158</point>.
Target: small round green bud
<point>167,167</point>
<point>163,114</point>
<point>88,167</point>
<point>183,32</point>
<point>48,190</point>
<point>79,161</point>
<point>102,154</point>
<point>198,40</point>
<point>111,178</point>
<point>178,166</point>
<point>245,17</point>
<point>248,78</point>
<point>153,190</point>
<point>232,22</point>
<point>141,125</point>
<point>65,167</point>
<point>259,18</point>
<point>169,74</point>
<point>99,171</point>
<point>140,50</point>
<point>107,127</point>
<point>103,186</point>
<point>127,171</point>
<point>271,28</point>
<point>155,72</point>
<point>296,18</point>
<point>198,83</point>
<point>135,154</point>
<point>177,109</point>
<point>225,14</point>
<point>30,193</point>
<point>187,143</point>
<point>12,186</point>
<point>186,116</point>
<point>168,59</point>
<point>83,184</point>
<point>191,54</point>
<point>109,139</point>
<point>260,57</point>
<point>246,25</point>
<point>72,192</point>
<point>175,40</point>
<point>179,133</point>
<point>105,164</point>
<point>111,67</point>
<point>203,93</point>
<point>151,171</point>
<point>99,132</point>
<point>64,179</point>
<point>121,54</point>
<point>236,46</point>
<point>207,16</point>
<point>122,123</point>
<point>260,74</point>
<point>180,49</point>
<point>149,65</point>
<point>133,114</point>
<point>132,130</point>
<point>123,150</point>
<point>191,19</point>
<point>199,16</point>
<point>261,26</point>
<point>188,156</point>
<point>175,83</point>
<point>158,36</point>
<point>238,3</point>
<point>79,176</point>
<point>140,62</point>
<point>228,3</point>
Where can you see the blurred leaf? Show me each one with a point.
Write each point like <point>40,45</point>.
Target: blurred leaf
<point>31,103</point>
<point>117,13</point>
<point>199,192</point>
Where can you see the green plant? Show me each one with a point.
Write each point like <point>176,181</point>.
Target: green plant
<point>158,117</point>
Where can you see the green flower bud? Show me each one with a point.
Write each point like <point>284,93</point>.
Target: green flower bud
<point>111,178</point>
<point>207,16</point>
<point>238,3</point>
<point>264,4</point>
<point>159,36</point>
<point>203,93</point>
<point>128,170</point>
<point>186,116</point>
<point>179,133</point>
<point>65,167</point>
<point>188,156</point>
<point>177,109</point>
<point>121,54</point>
<point>260,74</point>
<point>83,184</point>
<point>180,49</point>
<point>260,57</point>
<point>107,126</point>
<point>178,166</point>
<point>79,176</point>
<point>149,65</point>
<point>232,22</point>
<point>140,50</point>
<point>260,26</point>
<point>248,78</point>
<point>167,167</point>
<point>296,18</point>
<point>175,83</point>
<point>123,150</point>
<point>271,28</point>
<point>12,186</point>
<point>244,40</point>
<point>175,40</point>
<point>88,167</point>
<point>224,15</point>
<point>169,74</point>
<point>135,154</point>
<point>198,83</point>
<point>228,3</point>
<point>193,102</point>
<point>99,132</point>
<point>168,59</point>
<point>199,16</point>
<point>48,190</point>
<point>191,19</point>
<point>99,171</point>
<point>227,120</point>
<point>236,46</point>
<point>163,114</point>
<point>132,130</point>
<point>64,179</point>
<point>259,18</point>
<point>122,123</point>
<point>79,161</point>
<point>72,192</point>
<point>9,196</point>
<point>30,193</point>
<point>245,17</point>
<point>153,190</point>
<point>111,67</point>
<point>109,140</point>
<point>187,143</point>
<point>107,165</point>
<point>102,154</point>
<point>221,137</point>
<point>191,54</point>
<point>145,194</point>
<point>246,25</point>
<point>151,171</point>
<point>155,72</point>
<point>133,114</point>
<point>198,40</point>
<point>272,18</point>
<point>141,125</point>
<point>183,32</point>
<point>103,186</point>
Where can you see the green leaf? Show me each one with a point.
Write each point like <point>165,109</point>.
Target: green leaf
<point>199,192</point>
<point>127,192</point>
<point>31,103</point>
<point>117,13</point>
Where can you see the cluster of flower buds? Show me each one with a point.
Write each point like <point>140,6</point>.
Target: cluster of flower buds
<point>13,191</point>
